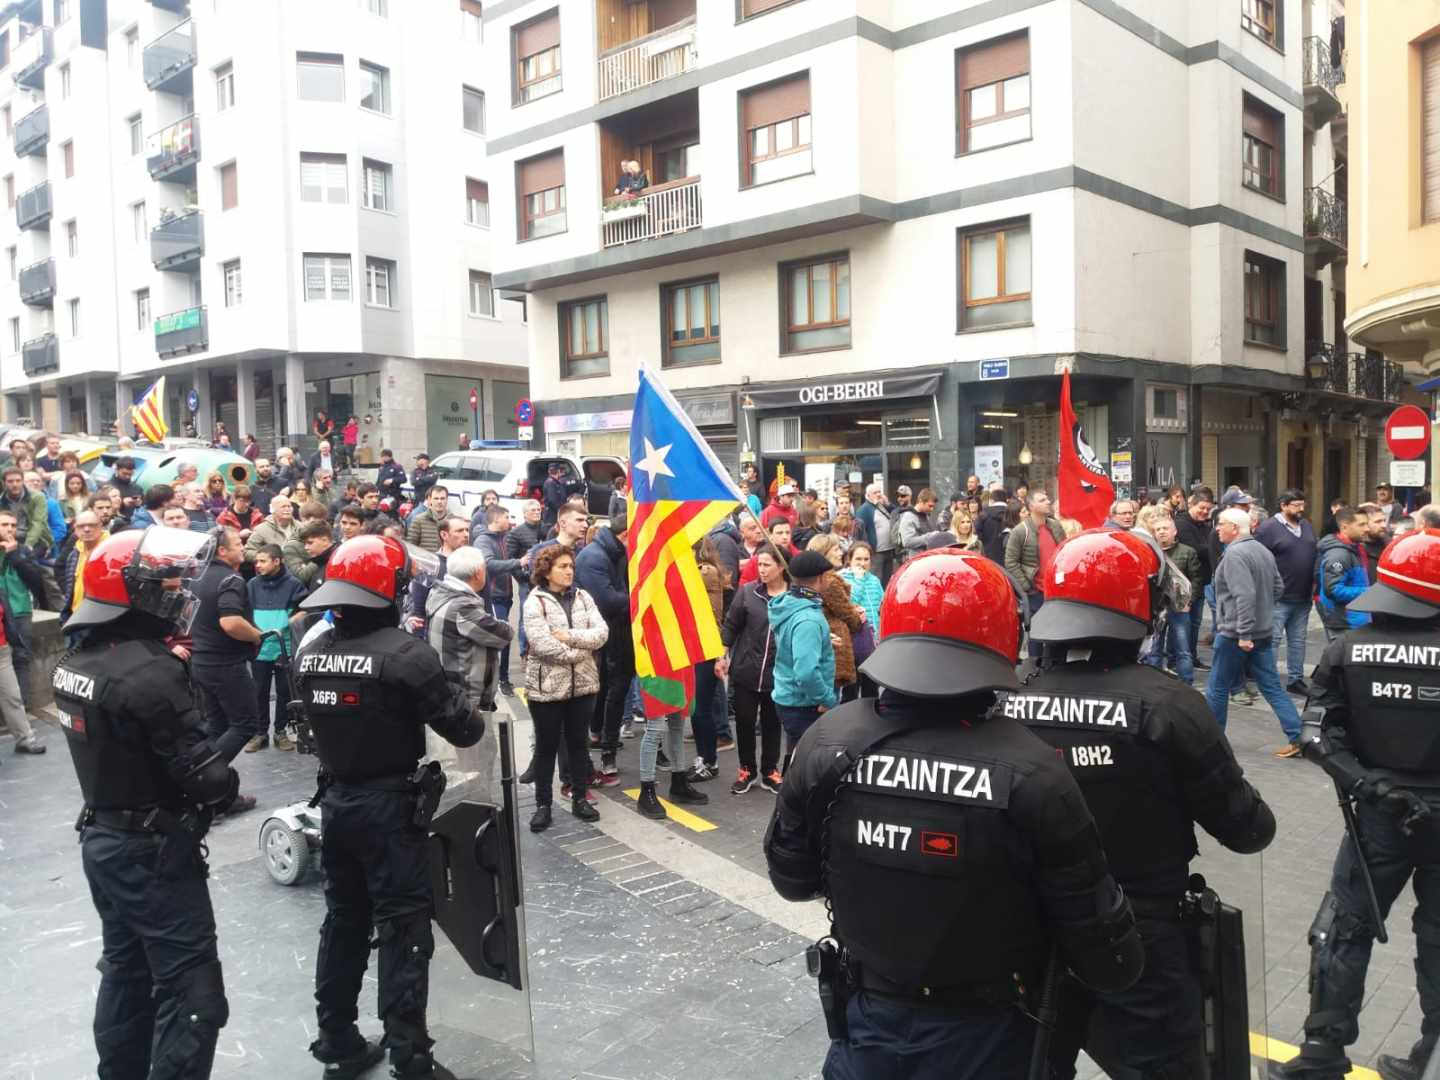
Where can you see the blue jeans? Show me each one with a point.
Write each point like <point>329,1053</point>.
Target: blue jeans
<point>1174,642</point>
<point>795,720</point>
<point>501,610</point>
<point>703,719</point>
<point>633,705</point>
<point>1232,664</point>
<point>1292,620</point>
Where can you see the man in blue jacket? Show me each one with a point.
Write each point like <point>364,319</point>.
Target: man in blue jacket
<point>1291,539</point>
<point>601,570</point>
<point>1341,573</point>
<point>804,655</point>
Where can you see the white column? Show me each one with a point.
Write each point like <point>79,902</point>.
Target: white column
<point>205,414</point>
<point>92,407</point>
<point>244,403</point>
<point>295,426</point>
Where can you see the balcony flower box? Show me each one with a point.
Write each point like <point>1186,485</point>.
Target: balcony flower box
<point>622,210</point>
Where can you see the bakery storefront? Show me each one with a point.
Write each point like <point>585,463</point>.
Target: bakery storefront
<point>884,426</point>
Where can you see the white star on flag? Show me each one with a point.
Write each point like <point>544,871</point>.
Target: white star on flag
<point>653,462</point>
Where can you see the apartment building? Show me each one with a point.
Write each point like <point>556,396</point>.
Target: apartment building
<point>281,207</point>
<point>876,230</point>
<point>1393,87</point>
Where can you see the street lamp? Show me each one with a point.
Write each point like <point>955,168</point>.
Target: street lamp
<point>1317,367</point>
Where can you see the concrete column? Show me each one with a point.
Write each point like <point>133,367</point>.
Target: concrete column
<point>37,407</point>
<point>204,415</point>
<point>244,402</point>
<point>92,406</point>
<point>295,425</point>
<point>487,410</point>
<point>62,401</point>
<point>277,380</point>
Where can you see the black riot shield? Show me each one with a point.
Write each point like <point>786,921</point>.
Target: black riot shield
<point>1216,933</point>
<point>475,879</point>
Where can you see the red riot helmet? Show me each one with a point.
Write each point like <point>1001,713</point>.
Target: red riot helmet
<point>1102,584</point>
<point>143,570</point>
<point>950,625</point>
<point>1408,583</point>
<point>369,571</point>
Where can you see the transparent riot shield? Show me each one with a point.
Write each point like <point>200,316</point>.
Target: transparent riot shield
<point>479,983</point>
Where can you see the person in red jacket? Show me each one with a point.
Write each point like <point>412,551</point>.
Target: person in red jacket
<point>240,515</point>
<point>782,506</point>
<point>778,532</point>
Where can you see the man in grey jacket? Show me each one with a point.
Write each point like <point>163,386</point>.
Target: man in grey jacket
<point>1247,585</point>
<point>912,524</point>
<point>1029,550</point>
<point>467,638</point>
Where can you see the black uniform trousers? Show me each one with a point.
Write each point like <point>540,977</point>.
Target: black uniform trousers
<point>897,1041</point>
<point>232,715</point>
<point>161,1003</point>
<point>376,872</point>
<point>1337,966</point>
<point>1155,1029</point>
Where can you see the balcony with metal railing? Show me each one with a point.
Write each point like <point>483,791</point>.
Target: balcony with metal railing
<point>182,332</point>
<point>1321,76</point>
<point>661,210</point>
<point>1367,375</point>
<point>31,57</point>
<point>1325,228</point>
<point>34,207</point>
<point>178,242</point>
<point>661,54</point>
<point>32,132</point>
<point>37,283</point>
<point>42,354</point>
<point>169,60</point>
<point>171,153</point>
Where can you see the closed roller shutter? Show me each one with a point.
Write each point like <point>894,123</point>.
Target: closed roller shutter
<point>1430,133</point>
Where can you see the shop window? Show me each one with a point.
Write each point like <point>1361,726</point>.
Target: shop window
<point>816,304</point>
<point>995,276</point>
<point>779,434</point>
<point>585,344</point>
<point>692,322</point>
<point>1264,300</point>
<point>536,48</point>
<point>992,89</point>
<point>1262,148</point>
<point>775,121</point>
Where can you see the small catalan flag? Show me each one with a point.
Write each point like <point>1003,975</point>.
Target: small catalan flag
<point>148,414</point>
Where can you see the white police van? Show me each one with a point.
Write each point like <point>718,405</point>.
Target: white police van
<point>517,475</point>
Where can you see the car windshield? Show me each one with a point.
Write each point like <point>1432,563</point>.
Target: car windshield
<point>486,470</point>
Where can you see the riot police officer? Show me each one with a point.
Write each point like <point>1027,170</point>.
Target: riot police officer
<point>1371,726</point>
<point>368,689</point>
<point>1152,763</point>
<point>954,852</point>
<point>151,781</point>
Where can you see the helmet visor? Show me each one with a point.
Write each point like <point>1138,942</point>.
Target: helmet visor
<point>167,553</point>
<point>423,564</point>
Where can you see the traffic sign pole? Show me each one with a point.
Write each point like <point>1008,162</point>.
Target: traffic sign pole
<point>475,409</point>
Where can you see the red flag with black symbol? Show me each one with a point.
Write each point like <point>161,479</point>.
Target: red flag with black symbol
<point>1083,490</point>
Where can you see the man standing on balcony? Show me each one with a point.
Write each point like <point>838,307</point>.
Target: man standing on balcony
<point>632,180</point>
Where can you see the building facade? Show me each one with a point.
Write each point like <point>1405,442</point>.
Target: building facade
<point>875,233</point>
<point>1393,302</point>
<point>280,207</point>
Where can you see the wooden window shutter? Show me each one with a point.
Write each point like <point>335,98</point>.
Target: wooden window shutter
<point>776,101</point>
<point>756,7</point>
<point>1430,128</point>
<point>480,190</point>
<point>542,173</point>
<point>229,187</point>
<point>1262,122</point>
<point>992,61</point>
<point>538,34</point>
<point>471,7</point>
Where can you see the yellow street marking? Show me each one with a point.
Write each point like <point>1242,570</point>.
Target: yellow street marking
<point>1274,1050</point>
<point>693,822</point>
<point>522,695</point>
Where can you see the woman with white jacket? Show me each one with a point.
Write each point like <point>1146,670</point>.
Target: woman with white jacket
<point>564,630</point>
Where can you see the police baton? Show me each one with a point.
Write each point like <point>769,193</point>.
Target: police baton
<point>1046,1014</point>
<point>1352,827</point>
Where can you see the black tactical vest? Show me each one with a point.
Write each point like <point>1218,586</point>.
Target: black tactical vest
<point>362,726</point>
<point>928,874</point>
<point>110,746</point>
<point>1107,739</point>
<point>1392,682</point>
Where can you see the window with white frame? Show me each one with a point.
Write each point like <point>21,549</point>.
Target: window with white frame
<point>482,294</point>
<point>327,277</point>
<point>378,7</point>
<point>64,81</point>
<point>379,282</point>
<point>320,76</point>
<point>74,308</point>
<point>474,110</point>
<point>233,293</point>
<point>225,87</point>
<point>322,178</point>
<point>72,238</point>
<point>15,335</point>
<point>14,256</point>
<point>139,225</point>
<point>137,135</point>
<point>472,28</point>
<point>62,11</point>
<point>378,178</point>
<point>374,87</point>
<point>142,309</point>
<point>477,202</point>
<point>132,46</point>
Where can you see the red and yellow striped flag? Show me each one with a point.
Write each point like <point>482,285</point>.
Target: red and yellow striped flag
<point>148,414</point>
<point>679,491</point>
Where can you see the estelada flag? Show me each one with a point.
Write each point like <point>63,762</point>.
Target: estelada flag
<point>148,414</point>
<point>1084,491</point>
<point>679,491</point>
